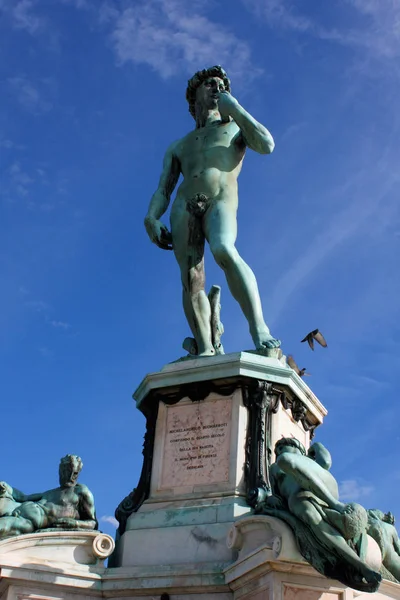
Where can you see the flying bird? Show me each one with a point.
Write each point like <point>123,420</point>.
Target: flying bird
<point>317,336</point>
<point>293,365</point>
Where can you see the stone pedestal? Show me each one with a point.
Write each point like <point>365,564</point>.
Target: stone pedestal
<point>188,529</point>
<point>269,567</point>
<point>211,428</point>
<point>54,564</point>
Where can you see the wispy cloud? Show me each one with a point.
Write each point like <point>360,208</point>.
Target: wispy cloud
<point>351,490</point>
<point>363,195</point>
<point>10,145</point>
<point>172,37</point>
<point>80,4</point>
<point>37,305</point>
<point>43,308</point>
<point>33,97</point>
<point>23,16</point>
<point>377,29</point>
<point>109,519</point>
<point>46,352</point>
<point>16,182</point>
<point>60,325</point>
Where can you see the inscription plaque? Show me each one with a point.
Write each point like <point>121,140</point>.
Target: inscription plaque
<point>197,443</point>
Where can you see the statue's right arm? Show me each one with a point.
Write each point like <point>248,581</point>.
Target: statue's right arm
<point>161,198</point>
<point>168,180</point>
<point>21,497</point>
<point>18,495</point>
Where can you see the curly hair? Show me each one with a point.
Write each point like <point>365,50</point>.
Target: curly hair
<point>199,78</point>
<point>291,442</point>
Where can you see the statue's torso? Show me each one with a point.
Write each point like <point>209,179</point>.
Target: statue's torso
<point>62,502</point>
<point>210,161</point>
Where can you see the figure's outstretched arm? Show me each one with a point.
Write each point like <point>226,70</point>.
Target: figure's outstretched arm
<point>157,232</point>
<point>252,133</point>
<point>21,497</point>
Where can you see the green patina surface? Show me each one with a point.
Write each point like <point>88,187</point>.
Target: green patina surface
<point>225,512</point>
<point>205,207</point>
<point>331,535</point>
<point>68,507</point>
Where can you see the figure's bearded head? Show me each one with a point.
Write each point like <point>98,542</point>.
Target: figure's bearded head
<point>70,467</point>
<point>6,490</point>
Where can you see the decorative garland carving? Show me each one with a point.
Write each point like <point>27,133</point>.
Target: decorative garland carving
<point>299,412</point>
<point>261,401</point>
<point>134,500</point>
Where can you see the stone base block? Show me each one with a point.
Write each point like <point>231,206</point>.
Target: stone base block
<point>211,428</point>
<point>48,565</point>
<point>270,567</point>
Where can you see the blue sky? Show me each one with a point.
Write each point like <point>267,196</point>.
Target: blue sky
<point>92,94</point>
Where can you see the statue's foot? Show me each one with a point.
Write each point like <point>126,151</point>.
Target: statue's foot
<point>266,342</point>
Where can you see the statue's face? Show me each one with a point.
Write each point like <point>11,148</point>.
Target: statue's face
<point>5,490</point>
<point>388,518</point>
<point>69,472</point>
<point>207,92</point>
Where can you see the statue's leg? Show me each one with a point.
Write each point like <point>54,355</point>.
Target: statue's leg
<point>10,526</point>
<point>220,228</point>
<point>189,252</point>
<point>392,562</point>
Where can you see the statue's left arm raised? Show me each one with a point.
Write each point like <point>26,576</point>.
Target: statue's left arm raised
<point>252,133</point>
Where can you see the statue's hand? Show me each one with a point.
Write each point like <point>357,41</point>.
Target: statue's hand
<point>67,522</point>
<point>226,104</point>
<point>158,233</point>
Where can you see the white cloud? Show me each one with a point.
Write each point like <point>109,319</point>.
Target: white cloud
<point>37,305</point>
<point>109,519</point>
<point>18,182</point>
<point>377,31</point>
<point>24,18</point>
<point>350,490</point>
<point>32,97</point>
<point>170,37</point>
<point>21,15</point>
<point>279,13</point>
<point>10,145</point>
<point>80,4</point>
<point>46,352</point>
<point>60,324</point>
<point>363,195</point>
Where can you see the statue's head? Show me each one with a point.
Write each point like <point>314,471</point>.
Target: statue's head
<point>379,514</point>
<point>321,455</point>
<point>289,445</point>
<point>70,467</point>
<point>389,518</point>
<point>6,490</point>
<point>203,86</point>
